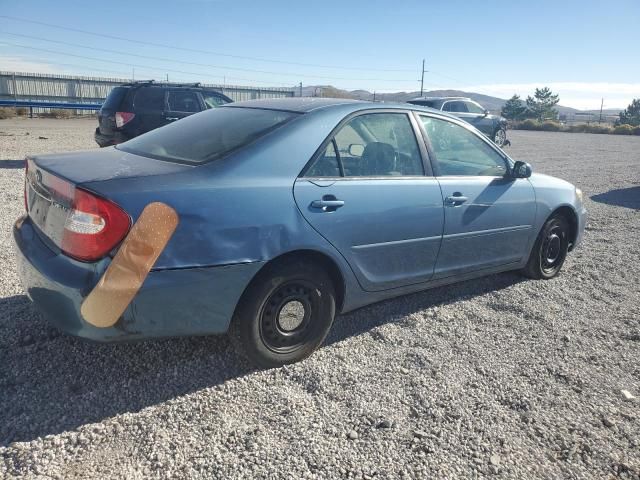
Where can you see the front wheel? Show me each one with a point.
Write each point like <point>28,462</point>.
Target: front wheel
<point>550,250</point>
<point>285,314</point>
<point>500,137</point>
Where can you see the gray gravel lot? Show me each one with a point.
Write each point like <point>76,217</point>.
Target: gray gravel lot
<point>501,377</point>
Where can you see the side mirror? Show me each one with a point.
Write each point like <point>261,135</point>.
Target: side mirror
<point>521,170</point>
<point>356,150</point>
<point>486,112</point>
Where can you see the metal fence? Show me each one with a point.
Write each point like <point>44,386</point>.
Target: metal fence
<point>38,87</point>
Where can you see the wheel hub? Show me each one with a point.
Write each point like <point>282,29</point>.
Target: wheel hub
<point>552,251</point>
<point>285,321</point>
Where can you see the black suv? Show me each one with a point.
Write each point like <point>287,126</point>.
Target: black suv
<point>493,126</point>
<point>136,108</point>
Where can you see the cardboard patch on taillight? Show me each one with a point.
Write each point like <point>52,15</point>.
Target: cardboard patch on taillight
<point>124,276</point>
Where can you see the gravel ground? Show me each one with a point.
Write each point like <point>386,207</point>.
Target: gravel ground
<point>501,377</point>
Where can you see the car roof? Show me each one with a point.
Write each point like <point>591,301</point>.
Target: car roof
<point>439,98</point>
<point>312,104</point>
<point>296,104</point>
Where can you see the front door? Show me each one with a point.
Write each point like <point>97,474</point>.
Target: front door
<point>181,103</point>
<point>471,113</point>
<point>368,195</point>
<point>489,216</point>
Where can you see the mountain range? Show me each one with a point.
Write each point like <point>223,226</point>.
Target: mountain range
<point>494,104</point>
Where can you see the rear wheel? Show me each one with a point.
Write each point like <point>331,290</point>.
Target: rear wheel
<point>285,314</point>
<point>550,250</point>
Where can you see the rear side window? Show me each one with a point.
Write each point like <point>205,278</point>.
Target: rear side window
<point>372,145</point>
<point>207,136</point>
<point>149,99</point>
<point>115,99</point>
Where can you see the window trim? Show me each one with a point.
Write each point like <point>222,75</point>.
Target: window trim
<point>417,133</point>
<point>434,158</point>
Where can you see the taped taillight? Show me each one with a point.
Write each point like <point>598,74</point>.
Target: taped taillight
<point>93,227</point>
<point>122,118</point>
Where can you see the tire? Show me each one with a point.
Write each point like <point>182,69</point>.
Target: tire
<point>500,137</point>
<point>285,313</point>
<point>550,250</point>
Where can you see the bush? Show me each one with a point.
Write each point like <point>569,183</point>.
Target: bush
<point>21,111</point>
<point>623,129</point>
<point>528,124</point>
<point>7,112</point>
<point>598,129</point>
<point>636,130</point>
<point>60,113</point>
<point>550,126</point>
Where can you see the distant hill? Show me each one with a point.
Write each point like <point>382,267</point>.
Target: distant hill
<point>494,104</point>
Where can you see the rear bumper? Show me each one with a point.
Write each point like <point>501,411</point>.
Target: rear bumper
<point>107,140</point>
<point>191,301</point>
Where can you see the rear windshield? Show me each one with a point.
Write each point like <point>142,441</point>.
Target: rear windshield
<point>114,99</point>
<point>207,135</point>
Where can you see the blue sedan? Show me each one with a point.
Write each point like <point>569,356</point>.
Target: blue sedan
<point>288,212</point>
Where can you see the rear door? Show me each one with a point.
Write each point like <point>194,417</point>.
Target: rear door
<point>149,106</point>
<point>369,195</point>
<point>488,216</point>
<point>181,103</point>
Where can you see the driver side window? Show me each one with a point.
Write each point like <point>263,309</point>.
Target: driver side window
<point>460,152</point>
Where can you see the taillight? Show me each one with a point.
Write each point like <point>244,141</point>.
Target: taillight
<point>93,227</point>
<point>122,118</point>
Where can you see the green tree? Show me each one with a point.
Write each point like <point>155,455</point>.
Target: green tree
<point>631,114</point>
<point>541,104</point>
<point>514,109</point>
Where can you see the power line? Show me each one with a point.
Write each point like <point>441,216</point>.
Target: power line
<point>209,52</point>
<point>129,64</point>
<point>223,67</point>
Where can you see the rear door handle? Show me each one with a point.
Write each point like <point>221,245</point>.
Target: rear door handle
<point>455,199</point>
<point>329,203</point>
<point>171,119</point>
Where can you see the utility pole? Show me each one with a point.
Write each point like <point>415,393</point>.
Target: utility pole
<point>601,105</point>
<point>374,95</point>
<point>422,79</point>
<point>133,74</point>
<point>300,88</point>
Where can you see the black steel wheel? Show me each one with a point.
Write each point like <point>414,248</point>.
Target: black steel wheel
<point>285,314</point>
<point>550,250</point>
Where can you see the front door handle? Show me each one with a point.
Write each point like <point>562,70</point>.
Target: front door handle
<point>171,119</point>
<point>455,200</point>
<point>329,203</point>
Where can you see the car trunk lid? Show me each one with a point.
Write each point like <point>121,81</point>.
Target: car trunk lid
<point>75,219</point>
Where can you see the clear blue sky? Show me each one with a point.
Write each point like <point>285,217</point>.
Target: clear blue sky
<point>582,49</point>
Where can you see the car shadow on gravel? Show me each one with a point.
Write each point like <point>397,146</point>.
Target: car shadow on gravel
<point>51,382</point>
<point>12,164</point>
<point>621,197</point>
<point>367,318</point>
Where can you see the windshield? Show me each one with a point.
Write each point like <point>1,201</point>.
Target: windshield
<point>207,135</point>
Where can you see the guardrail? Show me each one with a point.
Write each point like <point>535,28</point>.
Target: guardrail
<point>63,105</point>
